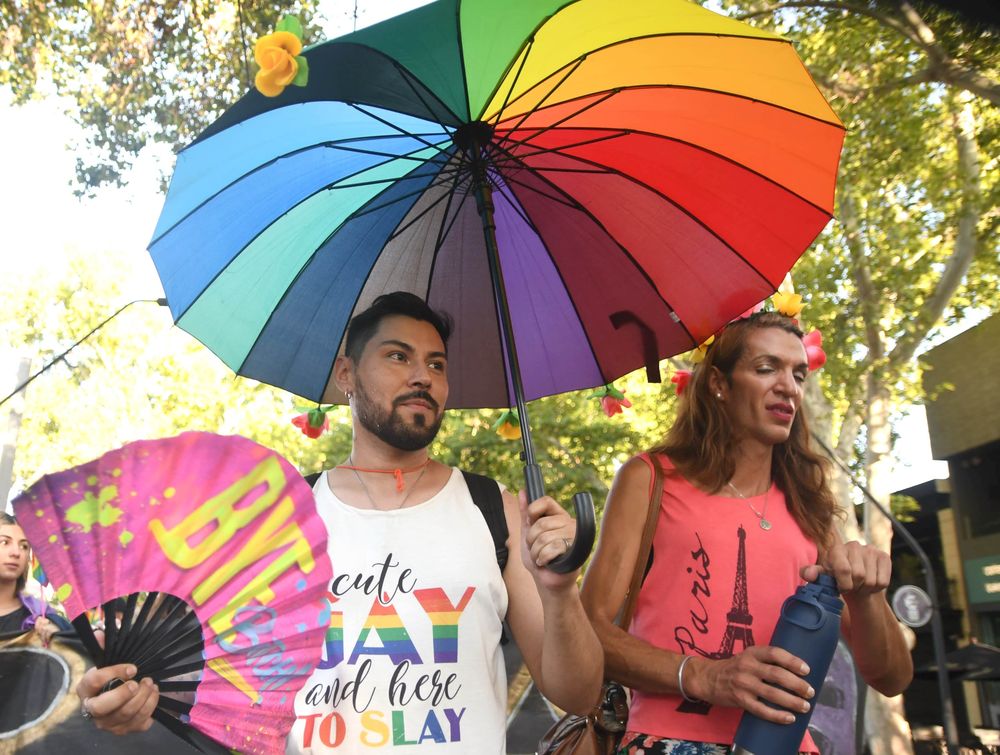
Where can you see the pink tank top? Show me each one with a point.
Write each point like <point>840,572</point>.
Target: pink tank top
<point>716,586</point>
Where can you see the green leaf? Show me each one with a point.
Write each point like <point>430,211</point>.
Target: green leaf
<point>302,77</point>
<point>290,24</point>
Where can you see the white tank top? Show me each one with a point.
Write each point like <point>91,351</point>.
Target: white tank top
<point>412,662</point>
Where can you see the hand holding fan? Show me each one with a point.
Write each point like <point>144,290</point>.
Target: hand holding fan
<point>211,551</point>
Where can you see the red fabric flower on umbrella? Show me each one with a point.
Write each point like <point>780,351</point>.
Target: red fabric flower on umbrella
<point>613,406</point>
<point>681,379</point>
<point>313,422</point>
<point>814,349</point>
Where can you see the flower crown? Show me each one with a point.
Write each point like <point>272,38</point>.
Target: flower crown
<point>784,303</point>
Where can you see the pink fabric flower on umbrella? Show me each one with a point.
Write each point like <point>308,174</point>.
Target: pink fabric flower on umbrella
<point>612,400</point>
<point>681,378</point>
<point>814,349</point>
<point>752,311</point>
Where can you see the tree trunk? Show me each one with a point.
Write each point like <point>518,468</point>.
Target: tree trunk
<point>885,719</point>
<point>820,414</point>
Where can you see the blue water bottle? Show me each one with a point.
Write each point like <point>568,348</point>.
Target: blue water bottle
<point>809,628</point>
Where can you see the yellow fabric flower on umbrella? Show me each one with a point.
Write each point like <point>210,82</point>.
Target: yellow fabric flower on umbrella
<point>508,426</point>
<point>787,303</point>
<point>698,355</point>
<point>278,56</point>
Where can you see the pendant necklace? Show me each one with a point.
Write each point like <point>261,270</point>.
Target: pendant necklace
<point>397,472</point>
<point>423,468</point>
<point>761,515</point>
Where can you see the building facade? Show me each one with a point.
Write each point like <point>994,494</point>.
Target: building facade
<point>962,386</point>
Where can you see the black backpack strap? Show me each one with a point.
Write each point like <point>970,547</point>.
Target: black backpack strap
<point>489,500</point>
<point>311,478</point>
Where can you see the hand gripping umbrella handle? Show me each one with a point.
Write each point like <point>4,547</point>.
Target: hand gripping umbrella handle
<point>572,559</point>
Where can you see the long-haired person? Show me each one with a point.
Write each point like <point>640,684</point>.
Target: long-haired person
<point>20,612</point>
<point>745,515</point>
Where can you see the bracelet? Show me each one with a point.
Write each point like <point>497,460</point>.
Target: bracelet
<point>680,680</point>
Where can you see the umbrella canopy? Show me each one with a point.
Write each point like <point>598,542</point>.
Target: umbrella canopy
<point>651,168</point>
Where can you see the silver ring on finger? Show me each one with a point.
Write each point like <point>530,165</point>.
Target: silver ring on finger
<point>84,710</point>
<point>567,542</point>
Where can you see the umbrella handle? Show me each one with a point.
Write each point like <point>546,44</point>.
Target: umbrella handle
<point>573,559</point>
<point>583,543</point>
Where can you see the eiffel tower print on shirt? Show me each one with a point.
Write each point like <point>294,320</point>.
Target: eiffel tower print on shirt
<point>738,622</point>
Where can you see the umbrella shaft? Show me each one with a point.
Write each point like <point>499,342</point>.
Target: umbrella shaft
<point>484,203</point>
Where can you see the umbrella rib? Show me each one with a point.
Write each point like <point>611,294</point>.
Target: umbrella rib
<point>443,231</point>
<point>513,84</point>
<point>512,180</point>
<point>392,125</point>
<point>377,207</point>
<point>594,103</point>
<point>461,59</point>
<point>524,60</point>
<point>402,229</point>
<point>300,273</point>
<point>420,97</point>
<point>639,268</point>
<point>687,212</point>
<point>686,87</point>
<point>572,69</point>
<point>692,145</point>
<point>522,212</point>
<point>456,170</point>
<point>358,150</point>
<point>373,182</point>
<point>559,150</point>
<point>578,61</point>
<point>272,161</point>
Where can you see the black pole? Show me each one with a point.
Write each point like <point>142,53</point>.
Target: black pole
<point>105,321</point>
<point>583,503</point>
<point>937,631</point>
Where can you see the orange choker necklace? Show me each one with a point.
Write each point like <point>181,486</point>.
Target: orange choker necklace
<point>397,473</point>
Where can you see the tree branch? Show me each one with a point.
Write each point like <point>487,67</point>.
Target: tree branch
<point>966,241</point>
<point>947,68</point>
<point>861,10</point>
<point>860,271</point>
<point>942,67</point>
<point>854,93</point>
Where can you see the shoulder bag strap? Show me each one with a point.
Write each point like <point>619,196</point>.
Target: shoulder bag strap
<point>642,557</point>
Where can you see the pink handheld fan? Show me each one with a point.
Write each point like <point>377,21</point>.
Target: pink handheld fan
<point>210,562</point>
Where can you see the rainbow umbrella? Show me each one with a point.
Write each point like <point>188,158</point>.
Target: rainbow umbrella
<point>587,186</point>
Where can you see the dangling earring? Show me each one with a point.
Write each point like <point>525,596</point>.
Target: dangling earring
<point>350,396</point>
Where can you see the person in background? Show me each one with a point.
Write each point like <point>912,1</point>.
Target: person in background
<point>745,514</point>
<point>20,612</point>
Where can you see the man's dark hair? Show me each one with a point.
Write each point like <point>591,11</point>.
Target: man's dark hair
<point>363,325</point>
